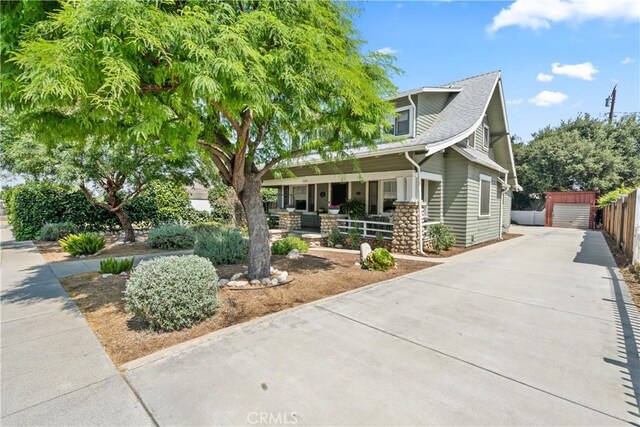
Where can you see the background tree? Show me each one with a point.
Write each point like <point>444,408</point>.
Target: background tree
<point>581,154</point>
<point>253,82</point>
<point>109,169</point>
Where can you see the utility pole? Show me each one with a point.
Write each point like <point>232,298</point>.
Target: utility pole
<point>611,102</point>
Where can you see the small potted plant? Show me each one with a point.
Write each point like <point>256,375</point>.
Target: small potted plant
<point>334,209</point>
<point>291,207</point>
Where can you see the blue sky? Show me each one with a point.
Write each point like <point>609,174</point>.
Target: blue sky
<point>558,58</point>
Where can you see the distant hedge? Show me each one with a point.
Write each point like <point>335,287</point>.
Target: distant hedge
<point>31,205</point>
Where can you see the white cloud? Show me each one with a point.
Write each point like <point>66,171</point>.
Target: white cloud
<point>542,77</point>
<point>537,14</point>
<point>584,71</point>
<point>515,101</point>
<point>387,51</point>
<point>627,60</point>
<point>547,98</point>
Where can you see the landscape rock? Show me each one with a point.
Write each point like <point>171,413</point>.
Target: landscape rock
<point>266,281</point>
<point>357,264</point>
<point>105,275</point>
<point>338,246</point>
<point>236,276</point>
<point>274,281</point>
<point>365,250</point>
<point>223,282</point>
<point>255,282</point>
<point>82,256</point>
<point>124,273</point>
<point>293,254</point>
<point>238,283</point>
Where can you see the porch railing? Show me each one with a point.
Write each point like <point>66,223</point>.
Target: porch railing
<point>425,229</point>
<point>368,229</point>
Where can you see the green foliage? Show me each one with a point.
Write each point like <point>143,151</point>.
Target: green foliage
<point>355,208</point>
<point>82,244</point>
<point>56,231</point>
<point>205,226</point>
<point>32,205</point>
<point>272,221</point>
<point>222,246</point>
<point>172,293</point>
<point>269,195</point>
<point>584,153</point>
<point>114,266</point>
<point>284,246</point>
<point>441,237</point>
<point>379,259</point>
<point>378,241</point>
<point>171,236</point>
<point>160,203</point>
<point>334,238</point>
<point>354,237</point>
<point>612,196</point>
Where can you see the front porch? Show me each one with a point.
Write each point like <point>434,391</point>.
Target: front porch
<point>396,206</point>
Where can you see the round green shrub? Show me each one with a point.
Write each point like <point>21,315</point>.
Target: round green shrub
<point>222,246</point>
<point>82,244</point>
<point>205,226</point>
<point>441,237</point>
<point>172,236</point>
<point>379,259</point>
<point>284,246</point>
<point>56,231</point>
<point>172,293</point>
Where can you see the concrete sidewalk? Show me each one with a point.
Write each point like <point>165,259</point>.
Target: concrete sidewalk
<point>53,369</point>
<point>538,330</point>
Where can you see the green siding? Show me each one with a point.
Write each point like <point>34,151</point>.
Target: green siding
<point>428,108</point>
<point>433,200</point>
<point>435,164</point>
<point>390,162</point>
<point>456,180</point>
<point>480,229</point>
<point>506,213</point>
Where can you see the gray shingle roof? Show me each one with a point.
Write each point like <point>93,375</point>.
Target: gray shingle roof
<point>458,119</point>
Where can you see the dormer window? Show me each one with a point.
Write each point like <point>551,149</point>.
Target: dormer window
<point>471,140</point>
<point>486,136</point>
<point>402,123</point>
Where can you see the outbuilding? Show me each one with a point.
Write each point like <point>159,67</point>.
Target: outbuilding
<point>570,209</point>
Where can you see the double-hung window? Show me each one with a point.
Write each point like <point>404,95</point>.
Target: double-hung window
<point>484,208</point>
<point>300,197</point>
<point>389,195</point>
<point>402,122</point>
<point>486,135</point>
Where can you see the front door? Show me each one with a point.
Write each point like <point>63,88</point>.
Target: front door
<point>338,193</point>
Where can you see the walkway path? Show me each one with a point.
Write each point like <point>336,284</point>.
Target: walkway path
<point>538,330</point>
<point>53,369</point>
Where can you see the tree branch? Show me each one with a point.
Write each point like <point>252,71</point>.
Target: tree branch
<point>90,198</point>
<point>273,162</point>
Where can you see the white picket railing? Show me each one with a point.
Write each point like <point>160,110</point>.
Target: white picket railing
<point>367,228</point>
<point>425,229</point>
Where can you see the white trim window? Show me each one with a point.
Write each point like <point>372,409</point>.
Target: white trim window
<point>402,122</point>
<point>389,195</point>
<point>484,196</point>
<point>486,134</point>
<point>299,193</point>
<point>471,140</point>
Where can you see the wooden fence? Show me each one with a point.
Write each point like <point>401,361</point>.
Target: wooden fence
<point>621,220</point>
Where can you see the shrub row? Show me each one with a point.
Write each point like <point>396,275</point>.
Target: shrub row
<point>33,205</point>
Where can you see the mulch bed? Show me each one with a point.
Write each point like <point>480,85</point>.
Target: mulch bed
<point>632,279</point>
<point>312,277</point>
<point>52,252</point>
<point>456,250</point>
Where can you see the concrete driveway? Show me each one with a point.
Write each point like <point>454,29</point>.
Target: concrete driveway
<point>539,330</point>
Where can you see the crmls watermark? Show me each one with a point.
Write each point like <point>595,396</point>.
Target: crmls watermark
<point>272,418</point>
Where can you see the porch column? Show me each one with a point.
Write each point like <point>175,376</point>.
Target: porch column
<point>327,223</point>
<point>290,220</point>
<point>406,227</point>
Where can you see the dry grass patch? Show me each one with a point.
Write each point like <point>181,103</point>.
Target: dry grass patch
<point>312,277</point>
<point>456,250</point>
<point>52,252</point>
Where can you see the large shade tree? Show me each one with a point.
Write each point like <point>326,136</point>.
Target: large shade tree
<point>584,153</point>
<point>254,83</point>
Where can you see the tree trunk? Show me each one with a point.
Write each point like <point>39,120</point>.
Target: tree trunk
<point>259,244</point>
<point>127,227</point>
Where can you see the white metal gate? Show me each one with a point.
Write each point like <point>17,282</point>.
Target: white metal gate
<point>571,215</point>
